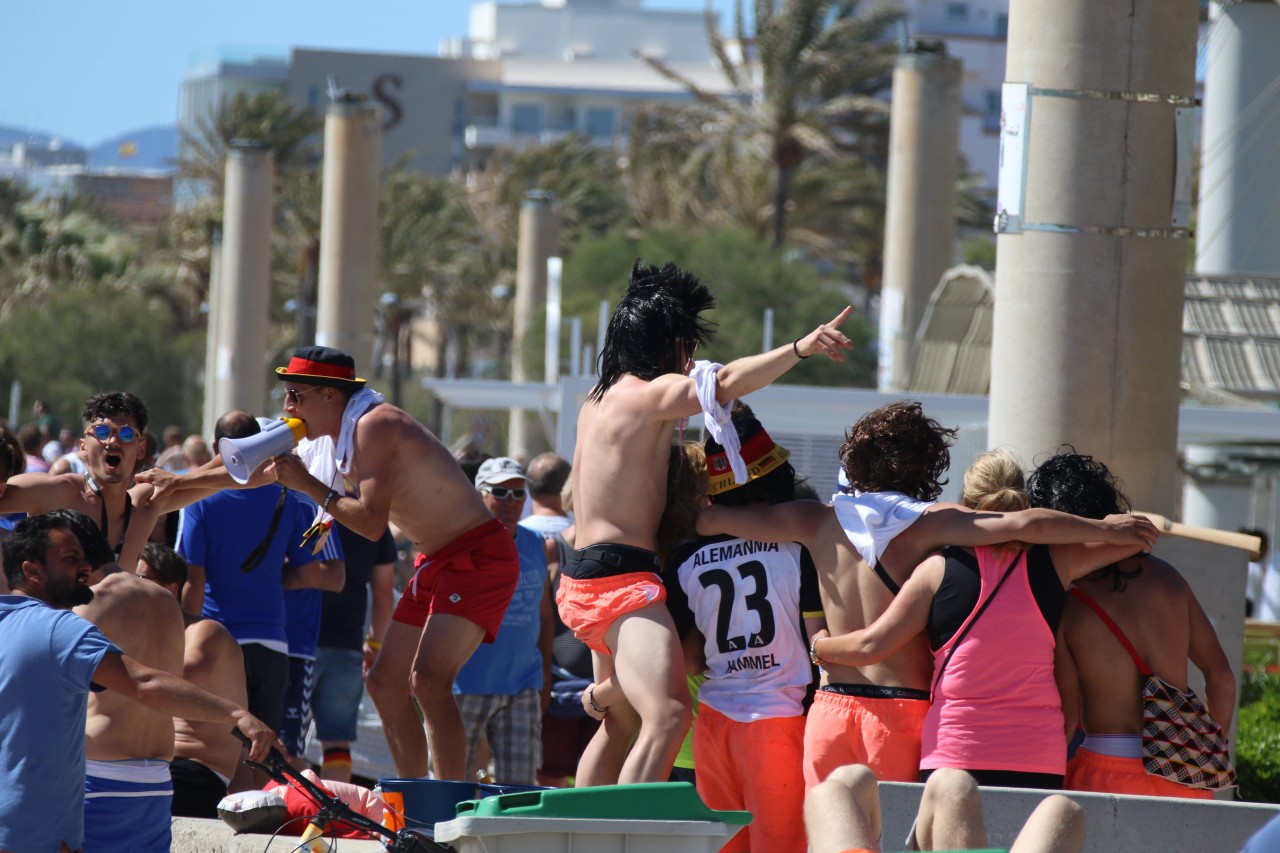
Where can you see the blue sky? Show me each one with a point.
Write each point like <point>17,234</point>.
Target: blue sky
<point>89,70</point>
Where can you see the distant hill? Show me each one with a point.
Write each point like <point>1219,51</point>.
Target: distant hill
<point>145,148</point>
<point>10,136</point>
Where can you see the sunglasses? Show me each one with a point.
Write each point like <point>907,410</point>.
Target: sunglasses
<point>291,395</point>
<point>505,494</point>
<point>102,432</point>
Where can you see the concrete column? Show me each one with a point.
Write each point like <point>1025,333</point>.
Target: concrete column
<point>538,240</point>
<point>349,230</point>
<point>1087,331</point>
<point>920,223</point>
<point>209,413</point>
<point>243,303</point>
<point>1239,171</point>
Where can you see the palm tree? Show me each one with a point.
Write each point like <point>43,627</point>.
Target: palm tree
<point>805,89</point>
<point>270,118</point>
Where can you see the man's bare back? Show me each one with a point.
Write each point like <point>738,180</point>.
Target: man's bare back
<point>212,660</point>
<point>146,623</point>
<point>1160,615</point>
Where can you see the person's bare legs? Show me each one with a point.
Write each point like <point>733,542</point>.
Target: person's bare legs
<point>388,686</point>
<point>649,667</point>
<point>950,815</point>
<point>843,811</point>
<point>447,642</point>
<point>1056,826</point>
<point>606,752</point>
<point>335,772</point>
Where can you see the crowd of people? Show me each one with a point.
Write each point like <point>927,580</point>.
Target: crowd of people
<point>650,605</point>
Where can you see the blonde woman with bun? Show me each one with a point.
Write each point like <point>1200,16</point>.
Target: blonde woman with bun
<point>995,710</point>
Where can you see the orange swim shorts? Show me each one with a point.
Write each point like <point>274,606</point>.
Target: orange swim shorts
<point>590,607</point>
<point>882,732</point>
<point>1106,774</point>
<point>474,577</point>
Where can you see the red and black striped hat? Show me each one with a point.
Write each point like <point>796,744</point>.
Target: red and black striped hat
<point>321,366</point>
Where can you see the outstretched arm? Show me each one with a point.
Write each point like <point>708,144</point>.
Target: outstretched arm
<point>951,524</point>
<point>177,697</point>
<point>673,396</point>
<point>795,521</point>
<point>39,493</point>
<point>906,617</point>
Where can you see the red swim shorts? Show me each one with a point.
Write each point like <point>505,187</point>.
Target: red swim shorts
<point>474,577</point>
<point>1090,771</point>
<point>589,607</point>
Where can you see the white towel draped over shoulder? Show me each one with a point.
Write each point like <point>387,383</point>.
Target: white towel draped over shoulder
<point>327,462</point>
<point>872,519</point>
<point>716,416</point>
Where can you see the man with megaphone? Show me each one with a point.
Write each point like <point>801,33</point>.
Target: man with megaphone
<point>467,566</point>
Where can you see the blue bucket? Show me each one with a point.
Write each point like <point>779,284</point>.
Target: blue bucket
<point>421,803</point>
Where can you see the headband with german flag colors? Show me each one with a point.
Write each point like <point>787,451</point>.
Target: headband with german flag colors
<point>760,454</point>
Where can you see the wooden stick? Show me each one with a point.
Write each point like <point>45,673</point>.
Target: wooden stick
<point>1244,541</point>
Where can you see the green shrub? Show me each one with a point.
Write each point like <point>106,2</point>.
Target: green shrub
<point>1258,737</point>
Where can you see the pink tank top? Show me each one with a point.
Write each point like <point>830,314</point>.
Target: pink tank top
<point>996,706</point>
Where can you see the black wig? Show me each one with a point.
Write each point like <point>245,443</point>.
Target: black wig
<point>656,326</point>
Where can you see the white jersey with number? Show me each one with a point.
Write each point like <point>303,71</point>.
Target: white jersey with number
<point>745,599</point>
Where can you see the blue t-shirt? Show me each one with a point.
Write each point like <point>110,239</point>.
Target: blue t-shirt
<point>342,616</point>
<point>302,607</point>
<point>48,660</point>
<point>220,532</point>
<point>513,662</point>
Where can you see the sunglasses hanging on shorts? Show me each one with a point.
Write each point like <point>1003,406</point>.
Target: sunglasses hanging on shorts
<point>102,432</point>
<point>503,494</point>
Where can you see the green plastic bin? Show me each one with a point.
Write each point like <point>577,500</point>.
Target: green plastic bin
<point>662,817</point>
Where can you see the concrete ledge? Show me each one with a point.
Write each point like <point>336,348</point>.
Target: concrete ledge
<point>196,835</point>
<point>1115,822</point>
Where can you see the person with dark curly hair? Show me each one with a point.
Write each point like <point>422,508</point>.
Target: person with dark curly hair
<point>111,447</point>
<point>610,593</point>
<point>1155,608</point>
<point>865,546</point>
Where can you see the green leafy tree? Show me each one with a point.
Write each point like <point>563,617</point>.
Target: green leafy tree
<point>746,276</point>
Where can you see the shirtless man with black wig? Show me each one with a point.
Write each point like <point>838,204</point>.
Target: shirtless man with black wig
<point>610,593</point>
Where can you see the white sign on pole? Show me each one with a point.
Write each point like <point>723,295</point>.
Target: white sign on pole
<point>1015,120</point>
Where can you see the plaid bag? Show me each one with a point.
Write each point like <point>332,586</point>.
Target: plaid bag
<point>1181,741</point>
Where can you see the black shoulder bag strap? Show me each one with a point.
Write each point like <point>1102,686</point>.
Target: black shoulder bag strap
<point>960,637</point>
<point>258,554</point>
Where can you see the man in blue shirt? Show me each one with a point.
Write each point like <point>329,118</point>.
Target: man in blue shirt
<point>236,543</point>
<point>499,688</point>
<point>52,660</point>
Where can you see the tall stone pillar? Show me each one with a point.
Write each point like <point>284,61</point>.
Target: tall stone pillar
<point>920,223</point>
<point>1236,232</point>
<point>209,413</point>
<point>242,300</point>
<point>1088,315</point>
<point>538,239</point>
<point>349,229</point>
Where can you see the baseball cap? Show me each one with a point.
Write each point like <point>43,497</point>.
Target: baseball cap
<point>498,470</point>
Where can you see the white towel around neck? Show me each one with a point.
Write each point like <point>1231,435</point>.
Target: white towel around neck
<point>327,462</point>
<point>717,417</point>
<point>872,519</point>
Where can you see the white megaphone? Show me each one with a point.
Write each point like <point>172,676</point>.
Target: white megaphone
<point>243,455</point>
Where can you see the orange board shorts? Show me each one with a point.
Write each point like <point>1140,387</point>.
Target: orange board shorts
<point>589,607</point>
<point>753,766</point>
<point>882,733</point>
<point>1106,774</point>
<point>474,577</point>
